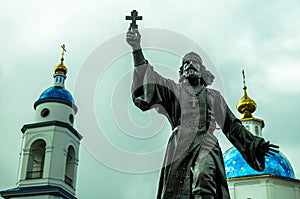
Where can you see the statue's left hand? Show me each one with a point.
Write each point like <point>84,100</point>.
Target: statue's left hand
<point>268,149</point>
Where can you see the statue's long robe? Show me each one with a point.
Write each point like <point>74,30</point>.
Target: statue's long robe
<point>193,123</point>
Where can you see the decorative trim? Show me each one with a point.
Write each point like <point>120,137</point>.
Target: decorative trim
<point>41,101</point>
<point>36,191</point>
<point>49,149</point>
<point>263,176</point>
<point>51,123</point>
<point>254,119</point>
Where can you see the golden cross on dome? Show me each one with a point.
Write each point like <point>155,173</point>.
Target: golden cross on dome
<point>244,79</point>
<point>63,51</point>
<point>61,68</point>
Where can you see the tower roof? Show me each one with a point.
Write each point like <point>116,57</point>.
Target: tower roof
<point>58,92</point>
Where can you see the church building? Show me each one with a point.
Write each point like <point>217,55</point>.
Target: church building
<point>277,181</point>
<point>50,146</point>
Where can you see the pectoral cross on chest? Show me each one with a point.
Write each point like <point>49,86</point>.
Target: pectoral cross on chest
<point>194,101</point>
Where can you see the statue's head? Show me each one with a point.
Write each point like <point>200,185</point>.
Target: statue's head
<point>192,68</point>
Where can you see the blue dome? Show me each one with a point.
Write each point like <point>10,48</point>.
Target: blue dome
<point>57,93</point>
<point>236,166</point>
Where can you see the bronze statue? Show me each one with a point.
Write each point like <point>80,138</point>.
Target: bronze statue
<point>193,167</point>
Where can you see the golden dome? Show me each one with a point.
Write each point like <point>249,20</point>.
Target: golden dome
<point>61,68</point>
<point>246,105</point>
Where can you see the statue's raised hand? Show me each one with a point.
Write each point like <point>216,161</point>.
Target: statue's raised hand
<point>133,38</point>
<point>268,149</point>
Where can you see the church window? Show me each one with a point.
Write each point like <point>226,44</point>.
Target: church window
<point>45,112</point>
<point>247,127</point>
<point>70,166</point>
<point>256,130</point>
<point>36,160</point>
<point>71,118</point>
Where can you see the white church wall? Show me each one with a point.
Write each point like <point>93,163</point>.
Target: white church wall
<point>264,187</point>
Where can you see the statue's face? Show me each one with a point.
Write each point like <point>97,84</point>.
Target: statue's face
<point>191,69</point>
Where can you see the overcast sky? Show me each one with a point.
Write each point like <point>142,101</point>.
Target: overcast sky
<point>263,38</point>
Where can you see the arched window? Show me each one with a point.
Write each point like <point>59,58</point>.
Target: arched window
<point>70,166</point>
<point>256,130</point>
<point>36,159</point>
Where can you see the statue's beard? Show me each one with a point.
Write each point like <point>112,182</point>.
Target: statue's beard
<point>191,74</point>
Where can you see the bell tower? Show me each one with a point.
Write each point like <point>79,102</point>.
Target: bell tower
<point>50,145</point>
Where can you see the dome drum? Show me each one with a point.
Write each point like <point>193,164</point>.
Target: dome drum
<point>53,111</point>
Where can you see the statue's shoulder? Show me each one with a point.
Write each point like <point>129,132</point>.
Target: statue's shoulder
<point>213,92</point>
<point>173,83</point>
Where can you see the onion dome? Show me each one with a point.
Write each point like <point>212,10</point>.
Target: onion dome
<point>236,166</point>
<point>61,68</point>
<point>246,105</point>
<point>58,93</point>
